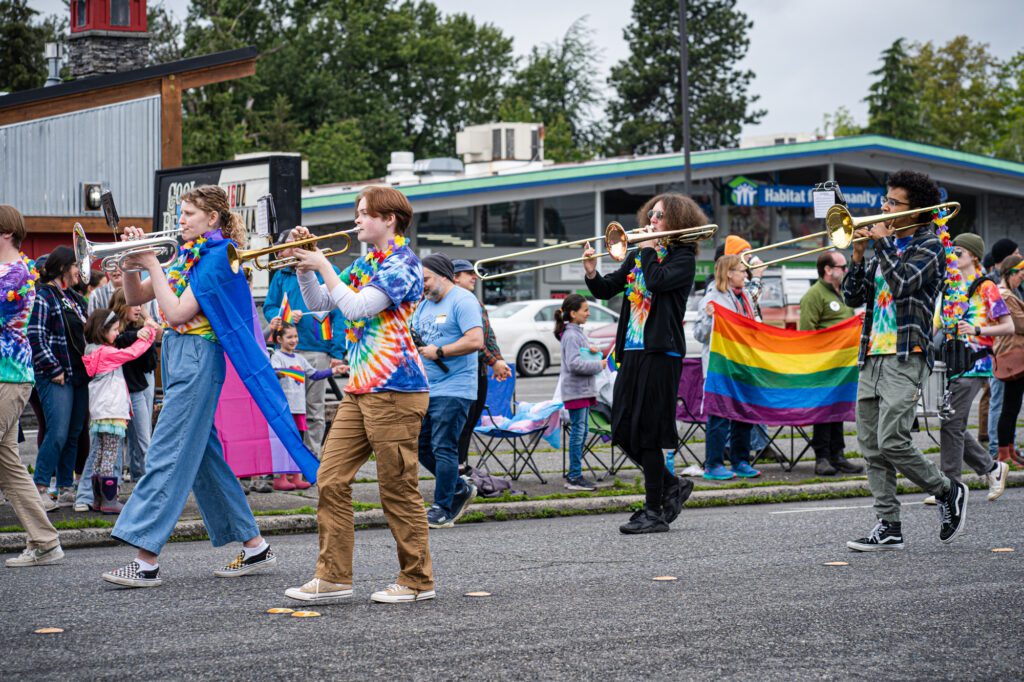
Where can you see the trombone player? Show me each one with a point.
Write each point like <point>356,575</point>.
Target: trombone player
<point>898,285</point>
<point>650,347</point>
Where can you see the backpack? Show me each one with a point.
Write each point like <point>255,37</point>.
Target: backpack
<point>958,356</point>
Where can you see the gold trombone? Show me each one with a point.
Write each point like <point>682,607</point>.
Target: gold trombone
<point>618,240</point>
<point>839,228</point>
<point>236,257</point>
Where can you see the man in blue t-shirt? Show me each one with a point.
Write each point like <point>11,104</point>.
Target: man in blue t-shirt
<point>449,327</point>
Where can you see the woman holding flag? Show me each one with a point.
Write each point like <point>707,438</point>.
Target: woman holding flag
<point>649,343</point>
<point>321,339</point>
<point>186,453</point>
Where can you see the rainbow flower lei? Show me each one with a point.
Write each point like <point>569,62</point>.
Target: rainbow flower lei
<point>954,299</point>
<point>177,272</point>
<point>635,284</point>
<point>30,283</point>
<point>359,275</point>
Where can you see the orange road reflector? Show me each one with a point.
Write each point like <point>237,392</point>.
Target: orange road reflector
<point>1003,549</point>
<point>305,614</point>
<point>478,594</point>
<point>666,578</point>
<point>280,610</point>
<point>48,631</point>
<point>837,563</point>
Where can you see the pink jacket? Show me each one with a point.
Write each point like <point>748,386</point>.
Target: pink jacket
<point>108,392</point>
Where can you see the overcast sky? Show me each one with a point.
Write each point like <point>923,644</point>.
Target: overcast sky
<point>809,56</point>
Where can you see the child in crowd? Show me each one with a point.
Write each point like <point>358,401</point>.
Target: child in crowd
<point>293,371</point>
<point>109,402</point>
<point>580,363</point>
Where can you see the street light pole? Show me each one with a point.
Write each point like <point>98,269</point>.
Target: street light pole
<point>684,59</point>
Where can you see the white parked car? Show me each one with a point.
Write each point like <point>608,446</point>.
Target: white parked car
<point>525,331</point>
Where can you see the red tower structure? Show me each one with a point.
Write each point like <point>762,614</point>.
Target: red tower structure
<point>107,36</point>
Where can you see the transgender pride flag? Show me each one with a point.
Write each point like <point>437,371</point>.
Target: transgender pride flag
<point>761,374</point>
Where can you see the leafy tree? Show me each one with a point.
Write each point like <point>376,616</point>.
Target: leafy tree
<point>893,102</point>
<point>22,65</point>
<point>1009,143</point>
<point>336,152</point>
<point>646,116</point>
<point>840,124</point>
<point>557,87</point>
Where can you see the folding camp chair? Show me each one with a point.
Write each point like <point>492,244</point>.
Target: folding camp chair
<point>599,431</point>
<point>501,403</point>
<point>690,417</point>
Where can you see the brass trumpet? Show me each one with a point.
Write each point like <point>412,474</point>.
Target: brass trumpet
<point>840,226</point>
<point>236,257</point>
<point>618,240</point>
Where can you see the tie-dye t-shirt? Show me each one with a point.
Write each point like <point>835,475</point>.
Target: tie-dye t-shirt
<point>639,302</point>
<point>380,349</point>
<point>985,307</point>
<point>883,320</point>
<point>17,293</point>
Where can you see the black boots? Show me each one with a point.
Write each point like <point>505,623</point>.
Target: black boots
<point>97,493</point>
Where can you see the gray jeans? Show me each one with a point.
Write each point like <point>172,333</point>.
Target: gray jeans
<point>887,396</point>
<point>315,391</point>
<point>958,445</point>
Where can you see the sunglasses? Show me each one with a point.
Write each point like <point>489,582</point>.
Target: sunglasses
<point>652,214</point>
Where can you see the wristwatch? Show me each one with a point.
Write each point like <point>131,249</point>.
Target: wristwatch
<point>977,330</point>
<point>440,352</point>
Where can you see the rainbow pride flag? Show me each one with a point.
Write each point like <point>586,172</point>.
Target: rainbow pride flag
<point>286,310</point>
<point>294,373</point>
<point>323,326</point>
<point>761,374</point>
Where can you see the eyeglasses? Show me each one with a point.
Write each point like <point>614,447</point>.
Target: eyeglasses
<point>889,201</point>
<point>652,214</point>
<point>838,267</point>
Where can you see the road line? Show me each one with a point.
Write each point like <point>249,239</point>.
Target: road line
<point>819,509</point>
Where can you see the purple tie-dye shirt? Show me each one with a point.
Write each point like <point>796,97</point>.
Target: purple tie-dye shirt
<point>17,294</point>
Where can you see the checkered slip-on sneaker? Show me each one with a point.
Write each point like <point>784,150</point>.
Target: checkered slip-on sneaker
<point>392,594</point>
<point>241,566</point>
<point>132,575</point>
<point>321,591</point>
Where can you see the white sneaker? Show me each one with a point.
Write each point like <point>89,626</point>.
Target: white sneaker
<point>37,557</point>
<point>318,590</point>
<point>996,480</point>
<point>48,503</point>
<point>930,500</point>
<point>66,497</point>
<point>81,507</point>
<point>394,593</point>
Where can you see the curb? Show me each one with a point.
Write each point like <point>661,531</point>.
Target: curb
<point>374,518</point>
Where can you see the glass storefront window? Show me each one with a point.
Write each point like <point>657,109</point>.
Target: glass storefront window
<point>510,223</point>
<point>445,229</point>
<point>513,288</point>
<point>568,218</point>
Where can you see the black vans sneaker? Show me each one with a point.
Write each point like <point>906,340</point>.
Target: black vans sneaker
<point>885,535</point>
<point>132,575</point>
<point>242,566</point>
<point>952,510</point>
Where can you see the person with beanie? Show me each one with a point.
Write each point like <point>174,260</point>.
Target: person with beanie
<point>983,316</point>
<point>1012,278</point>
<point>449,332</point>
<point>990,410</point>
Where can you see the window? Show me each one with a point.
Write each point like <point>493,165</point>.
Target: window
<point>601,316</point>
<point>546,314</point>
<point>506,310</point>
<point>81,11</point>
<point>510,143</point>
<point>568,218</point>
<point>120,13</point>
<point>509,223</point>
<point>445,229</point>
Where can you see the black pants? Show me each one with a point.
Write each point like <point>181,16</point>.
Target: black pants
<point>828,441</point>
<point>475,410</point>
<point>1013,393</point>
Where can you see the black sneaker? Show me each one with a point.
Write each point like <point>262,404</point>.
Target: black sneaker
<point>579,483</point>
<point>674,498</point>
<point>242,566</point>
<point>462,499</point>
<point>952,510</point>
<point>823,467</point>
<point>886,535</point>
<point>645,521</point>
<point>132,575</point>
<point>845,466</point>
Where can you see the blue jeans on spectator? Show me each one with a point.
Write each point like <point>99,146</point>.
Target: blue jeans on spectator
<point>577,436</point>
<point>439,446</point>
<point>65,408</point>
<point>186,455</point>
<point>758,437</point>
<point>140,429</point>
<point>721,431</point>
<point>84,494</point>
<point>995,408</point>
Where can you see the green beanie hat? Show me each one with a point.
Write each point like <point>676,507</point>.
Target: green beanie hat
<point>972,243</point>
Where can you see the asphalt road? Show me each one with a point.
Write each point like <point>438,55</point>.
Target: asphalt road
<point>572,598</point>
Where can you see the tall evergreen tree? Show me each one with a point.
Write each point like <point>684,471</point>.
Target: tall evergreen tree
<point>22,65</point>
<point>646,115</point>
<point>893,102</point>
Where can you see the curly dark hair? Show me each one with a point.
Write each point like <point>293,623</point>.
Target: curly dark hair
<point>921,189</point>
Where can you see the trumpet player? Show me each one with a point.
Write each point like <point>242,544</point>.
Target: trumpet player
<point>650,347</point>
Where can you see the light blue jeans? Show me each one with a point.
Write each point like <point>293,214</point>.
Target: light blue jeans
<point>140,429</point>
<point>84,494</point>
<point>186,454</point>
<point>64,408</point>
<point>577,436</point>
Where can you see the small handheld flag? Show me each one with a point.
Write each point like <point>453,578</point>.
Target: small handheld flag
<point>286,310</point>
<point>323,326</point>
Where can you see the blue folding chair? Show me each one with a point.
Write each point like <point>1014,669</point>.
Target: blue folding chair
<point>501,402</point>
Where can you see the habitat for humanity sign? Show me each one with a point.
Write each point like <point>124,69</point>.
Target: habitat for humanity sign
<point>746,192</point>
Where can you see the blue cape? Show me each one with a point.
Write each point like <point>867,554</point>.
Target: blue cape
<point>227,303</point>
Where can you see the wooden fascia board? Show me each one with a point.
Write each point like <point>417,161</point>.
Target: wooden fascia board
<point>57,224</point>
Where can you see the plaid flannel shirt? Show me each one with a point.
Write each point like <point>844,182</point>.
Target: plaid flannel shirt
<point>915,278</point>
<point>490,353</point>
<point>50,354</point>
